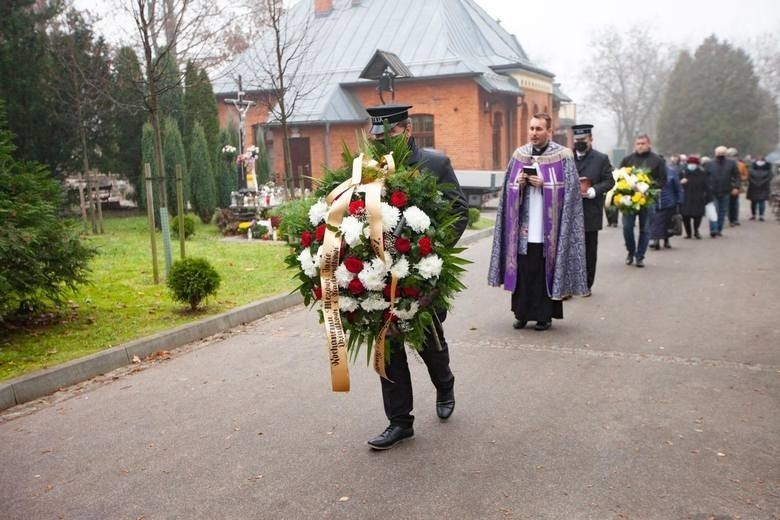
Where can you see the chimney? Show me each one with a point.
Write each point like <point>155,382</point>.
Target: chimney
<point>323,7</point>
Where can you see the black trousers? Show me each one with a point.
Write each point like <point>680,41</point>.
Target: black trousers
<point>397,395</point>
<point>591,248</point>
<point>687,219</point>
<point>530,300</point>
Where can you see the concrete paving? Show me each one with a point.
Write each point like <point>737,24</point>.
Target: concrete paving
<point>656,398</point>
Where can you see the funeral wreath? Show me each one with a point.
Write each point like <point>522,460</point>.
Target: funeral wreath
<point>378,251</point>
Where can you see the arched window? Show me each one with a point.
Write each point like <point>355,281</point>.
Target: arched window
<point>422,130</point>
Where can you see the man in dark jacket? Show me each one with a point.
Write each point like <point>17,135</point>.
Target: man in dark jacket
<point>642,157</point>
<point>596,180</point>
<point>397,389</point>
<point>723,180</point>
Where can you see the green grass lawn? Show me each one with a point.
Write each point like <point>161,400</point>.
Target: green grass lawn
<point>483,223</point>
<point>122,302</point>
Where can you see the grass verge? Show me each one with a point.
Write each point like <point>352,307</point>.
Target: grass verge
<point>122,302</point>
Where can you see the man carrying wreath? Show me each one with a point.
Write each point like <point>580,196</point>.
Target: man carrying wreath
<point>539,239</point>
<point>397,388</point>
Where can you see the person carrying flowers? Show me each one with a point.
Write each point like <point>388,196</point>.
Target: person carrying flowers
<point>379,263</point>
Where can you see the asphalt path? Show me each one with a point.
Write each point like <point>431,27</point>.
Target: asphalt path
<point>656,398</point>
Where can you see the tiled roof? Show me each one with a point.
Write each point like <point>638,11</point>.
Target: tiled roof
<point>430,37</point>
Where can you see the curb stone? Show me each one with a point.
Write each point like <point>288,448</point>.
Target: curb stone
<point>47,381</point>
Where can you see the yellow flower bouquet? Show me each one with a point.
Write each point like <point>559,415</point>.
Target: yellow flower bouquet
<point>634,189</point>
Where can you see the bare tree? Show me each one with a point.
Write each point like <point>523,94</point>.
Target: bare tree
<point>627,78</point>
<point>765,53</point>
<point>188,27</point>
<point>280,56</point>
<point>82,65</point>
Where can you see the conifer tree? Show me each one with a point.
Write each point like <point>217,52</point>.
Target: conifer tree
<point>173,154</point>
<point>204,191</point>
<point>129,117</point>
<point>225,169</point>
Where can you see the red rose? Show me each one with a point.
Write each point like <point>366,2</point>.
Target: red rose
<point>356,207</point>
<point>353,265</point>
<point>306,238</point>
<point>398,199</point>
<point>425,246</point>
<point>402,245</point>
<point>352,316</point>
<point>317,293</point>
<point>356,287</point>
<point>386,292</point>
<point>387,315</point>
<point>411,292</point>
<point>320,233</point>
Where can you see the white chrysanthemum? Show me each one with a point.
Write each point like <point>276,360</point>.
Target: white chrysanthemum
<point>343,276</point>
<point>307,263</point>
<point>374,303</point>
<point>352,228</point>
<point>318,212</point>
<point>626,200</point>
<point>642,187</point>
<point>430,266</point>
<point>407,314</point>
<point>379,266</point>
<point>372,279</point>
<point>318,258</point>
<point>401,268</point>
<point>417,219</point>
<point>390,217</point>
<point>348,304</point>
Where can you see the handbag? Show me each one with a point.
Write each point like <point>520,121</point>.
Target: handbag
<point>676,225</point>
<point>711,212</point>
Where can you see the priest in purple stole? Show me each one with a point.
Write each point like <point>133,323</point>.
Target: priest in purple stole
<point>539,239</point>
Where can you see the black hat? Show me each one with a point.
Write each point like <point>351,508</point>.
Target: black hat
<point>392,113</point>
<point>581,131</point>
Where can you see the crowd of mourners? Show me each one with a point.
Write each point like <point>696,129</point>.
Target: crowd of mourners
<point>705,187</point>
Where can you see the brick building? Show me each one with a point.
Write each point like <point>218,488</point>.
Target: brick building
<point>472,87</point>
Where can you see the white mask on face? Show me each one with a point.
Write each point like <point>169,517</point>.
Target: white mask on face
<point>760,163</point>
<point>691,167</point>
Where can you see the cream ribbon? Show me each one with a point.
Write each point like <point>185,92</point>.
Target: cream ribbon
<point>339,199</point>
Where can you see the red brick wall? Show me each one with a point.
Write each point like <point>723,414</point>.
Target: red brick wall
<point>462,112</point>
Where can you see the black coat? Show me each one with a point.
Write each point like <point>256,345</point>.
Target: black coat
<point>596,167</point>
<point>723,176</point>
<point>439,165</point>
<point>696,192</point>
<point>759,181</point>
<point>651,161</point>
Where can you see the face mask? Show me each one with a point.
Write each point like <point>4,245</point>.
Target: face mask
<point>760,163</point>
<point>691,167</point>
<point>581,146</point>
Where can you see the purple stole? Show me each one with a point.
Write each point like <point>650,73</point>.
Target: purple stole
<point>553,192</point>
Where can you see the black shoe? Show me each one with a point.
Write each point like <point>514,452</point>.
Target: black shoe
<point>640,262</point>
<point>445,404</point>
<point>667,245</point>
<point>687,237</point>
<point>713,235</point>
<point>392,435</point>
<point>761,219</point>
<point>629,259</point>
<point>519,324</point>
<point>656,245</point>
<point>698,236</point>
<point>542,325</point>
<point>752,218</point>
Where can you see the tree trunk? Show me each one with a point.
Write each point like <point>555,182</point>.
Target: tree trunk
<point>90,183</point>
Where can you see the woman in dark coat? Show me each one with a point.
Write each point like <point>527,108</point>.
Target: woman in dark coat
<point>696,194</point>
<point>666,207</point>
<point>759,179</point>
